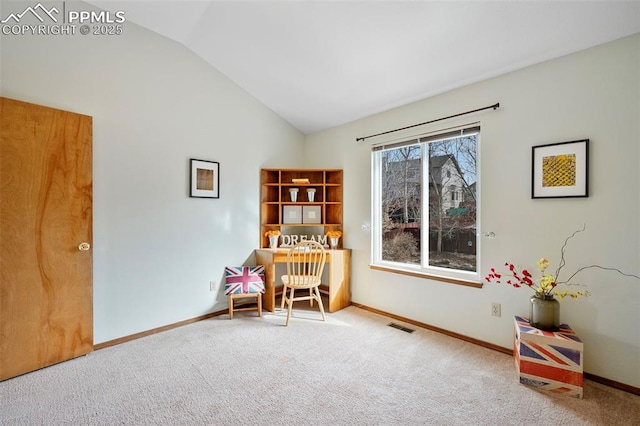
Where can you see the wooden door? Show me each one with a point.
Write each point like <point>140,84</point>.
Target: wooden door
<point>46,289</point>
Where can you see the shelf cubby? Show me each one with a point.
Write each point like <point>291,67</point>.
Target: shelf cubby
<point>274,195</point>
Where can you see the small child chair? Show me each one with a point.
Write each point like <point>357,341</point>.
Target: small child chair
<point>242,282</point>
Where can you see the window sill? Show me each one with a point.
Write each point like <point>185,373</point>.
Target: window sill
<point>449,280</point>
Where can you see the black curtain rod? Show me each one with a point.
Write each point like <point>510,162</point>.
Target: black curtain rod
<point>494,106</point>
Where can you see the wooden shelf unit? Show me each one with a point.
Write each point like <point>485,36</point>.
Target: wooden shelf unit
<point>274,196</point>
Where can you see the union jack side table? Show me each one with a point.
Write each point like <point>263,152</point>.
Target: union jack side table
<point>549,360</point>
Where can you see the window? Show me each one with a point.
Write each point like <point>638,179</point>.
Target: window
<point>453,190</point>
<point>425,204</point>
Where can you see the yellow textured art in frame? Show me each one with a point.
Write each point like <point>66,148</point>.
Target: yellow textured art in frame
<point>559,170</point>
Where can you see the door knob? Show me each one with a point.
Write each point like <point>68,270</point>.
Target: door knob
<point>84,247</point>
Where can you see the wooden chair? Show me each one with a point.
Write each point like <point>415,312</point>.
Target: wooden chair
<point>242,282</point>
<point>305,263</point>
<point>233,297</point>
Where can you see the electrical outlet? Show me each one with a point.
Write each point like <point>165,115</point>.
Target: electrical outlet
<point>212,285</point>
<point>495,309</point>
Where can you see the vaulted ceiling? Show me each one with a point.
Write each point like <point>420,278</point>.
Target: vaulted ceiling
<point>319,64</point>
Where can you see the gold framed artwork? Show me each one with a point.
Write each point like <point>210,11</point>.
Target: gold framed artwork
<point>560,170</point>
<point>205,179</point>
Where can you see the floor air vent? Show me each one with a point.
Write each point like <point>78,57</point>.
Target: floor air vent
<point>400,327</point>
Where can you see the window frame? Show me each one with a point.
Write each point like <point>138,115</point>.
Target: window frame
<point>422,270</point>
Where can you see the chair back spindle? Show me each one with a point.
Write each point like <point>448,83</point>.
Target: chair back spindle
<point>305,264</point>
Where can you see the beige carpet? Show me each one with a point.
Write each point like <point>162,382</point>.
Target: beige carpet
<point>351,370</point>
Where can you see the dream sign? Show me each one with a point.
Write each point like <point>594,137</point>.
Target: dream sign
<point>291,240</point>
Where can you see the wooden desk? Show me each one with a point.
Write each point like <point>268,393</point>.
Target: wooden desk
<point>337,267</point>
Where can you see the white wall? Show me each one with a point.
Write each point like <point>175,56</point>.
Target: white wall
<point>593,94</point>
<point>155,105</point>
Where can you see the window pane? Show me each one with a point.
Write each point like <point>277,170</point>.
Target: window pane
<point>452,203</point>
<point>401,201</point>
<point>425,205</point>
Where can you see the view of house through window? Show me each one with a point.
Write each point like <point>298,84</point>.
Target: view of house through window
<point>425,203</point>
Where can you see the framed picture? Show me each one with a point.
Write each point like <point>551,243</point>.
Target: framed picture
<point>292,214</point>
<point>560,170</point>
<point>311,214</point>
<point>205,179</point>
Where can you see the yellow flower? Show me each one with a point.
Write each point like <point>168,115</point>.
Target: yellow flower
<point>274,233</point>
<point>547,281</point>
<point>573,294</point>
<point>543,263</point>
<point>334,234</point>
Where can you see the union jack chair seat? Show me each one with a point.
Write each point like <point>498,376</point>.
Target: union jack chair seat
<point>244,282</point>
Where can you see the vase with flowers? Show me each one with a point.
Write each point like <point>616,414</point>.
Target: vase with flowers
<point>334,237</point>
<point>273,238</point>
<point>544,309</point>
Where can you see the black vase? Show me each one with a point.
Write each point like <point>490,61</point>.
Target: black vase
<point>544,312</point>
